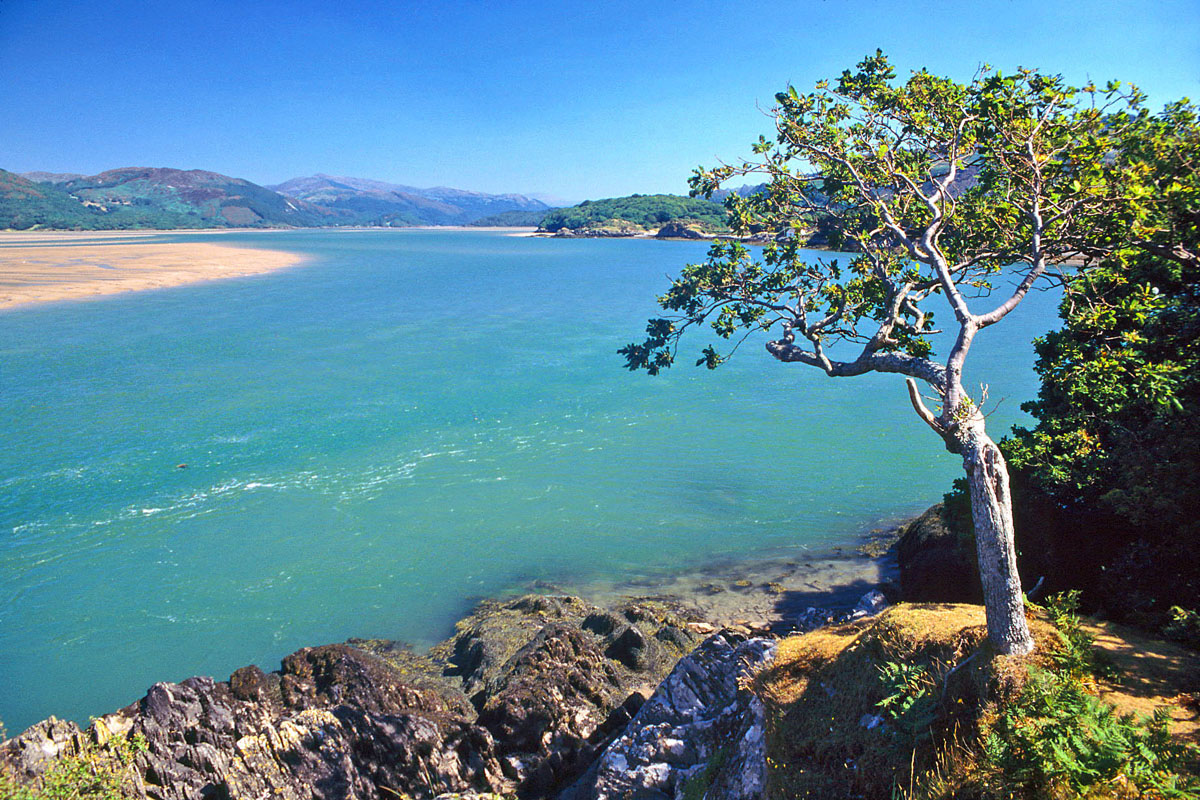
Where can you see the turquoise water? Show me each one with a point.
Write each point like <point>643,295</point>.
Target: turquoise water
<point>374,440</point>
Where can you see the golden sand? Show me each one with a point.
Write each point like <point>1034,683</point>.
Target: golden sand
<point>43,267</point>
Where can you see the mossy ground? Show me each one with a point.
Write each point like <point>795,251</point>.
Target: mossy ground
<point>829,737</point>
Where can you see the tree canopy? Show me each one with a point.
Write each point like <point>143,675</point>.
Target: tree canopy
<point>1116,448</point>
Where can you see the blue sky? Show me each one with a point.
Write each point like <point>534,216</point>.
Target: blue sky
<point>572,99</point>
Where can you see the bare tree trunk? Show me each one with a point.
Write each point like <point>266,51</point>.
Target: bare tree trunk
<point>995,545</point>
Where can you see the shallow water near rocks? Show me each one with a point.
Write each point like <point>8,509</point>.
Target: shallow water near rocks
<point>410,421</point>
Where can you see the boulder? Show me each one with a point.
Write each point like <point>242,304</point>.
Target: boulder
<point>937,565</point>
<point>554,678</point>
<point>681,229</point>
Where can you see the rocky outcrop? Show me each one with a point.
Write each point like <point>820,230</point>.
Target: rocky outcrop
<point>334,722</point>
<point>936,564</point>
<point>611,229</point>
<point>528,697</point>
<point>701,732</point>
<point>682,229</point>
<point>521,699</point>
<point>553,678</point>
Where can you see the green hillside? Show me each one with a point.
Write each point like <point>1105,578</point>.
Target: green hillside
<point>27,205</point>
<point>149,197</point>
<point>205,198</point>
<point>645,210</point>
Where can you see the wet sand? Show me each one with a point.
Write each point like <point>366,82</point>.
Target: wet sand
<point>47,267</point>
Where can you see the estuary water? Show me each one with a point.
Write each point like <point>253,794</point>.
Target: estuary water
<point>408,422</point>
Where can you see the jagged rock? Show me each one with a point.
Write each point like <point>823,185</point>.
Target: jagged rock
<point>700,725</point>
<point>30,753</point>
<point>554,677</point>
<point>333,723</point>
<point>522,698</point>
<point>869,605</point>
<point>554,699</point>
<point>814,618</point>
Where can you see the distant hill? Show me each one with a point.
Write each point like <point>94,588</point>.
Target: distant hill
<point>642,210</point>
<point>161,197</point>
<point>207,197</point>
<point>370,202</point>
<point>147,197</point>
<point>744,190</point>
<point>52,177</point>
<point>25,204</point>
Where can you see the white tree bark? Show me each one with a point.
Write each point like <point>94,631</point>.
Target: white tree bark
<point>964,433</point>
<point>995,543</point>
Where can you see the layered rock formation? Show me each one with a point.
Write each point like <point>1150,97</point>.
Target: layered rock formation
<point>702,731</point>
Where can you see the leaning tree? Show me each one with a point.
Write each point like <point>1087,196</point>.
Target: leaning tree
<point>939,192</point>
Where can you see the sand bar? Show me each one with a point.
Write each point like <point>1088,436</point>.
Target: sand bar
<point>45,267</point>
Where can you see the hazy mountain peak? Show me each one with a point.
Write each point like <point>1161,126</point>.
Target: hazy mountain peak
<point>50,177</point>
<point>380,202</point>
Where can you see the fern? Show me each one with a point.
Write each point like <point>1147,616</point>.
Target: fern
<point>1058,736</point>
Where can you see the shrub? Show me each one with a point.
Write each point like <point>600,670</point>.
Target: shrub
<point>98,772</point>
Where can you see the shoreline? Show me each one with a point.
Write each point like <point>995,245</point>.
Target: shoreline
<point>773,594</point>
<point>769,593</point>
<point>46,267</point>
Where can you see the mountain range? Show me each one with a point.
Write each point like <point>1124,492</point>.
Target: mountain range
<point>161,197</point>
<point>379,203</point>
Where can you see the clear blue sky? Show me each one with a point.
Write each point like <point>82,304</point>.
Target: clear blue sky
<point>574,99</point>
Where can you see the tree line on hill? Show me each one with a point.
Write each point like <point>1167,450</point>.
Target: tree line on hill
<point>644,211</point>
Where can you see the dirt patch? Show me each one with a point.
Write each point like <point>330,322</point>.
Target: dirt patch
<point>1150,673</point>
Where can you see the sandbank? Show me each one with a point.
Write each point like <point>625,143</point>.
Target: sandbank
<point>38,267</point>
